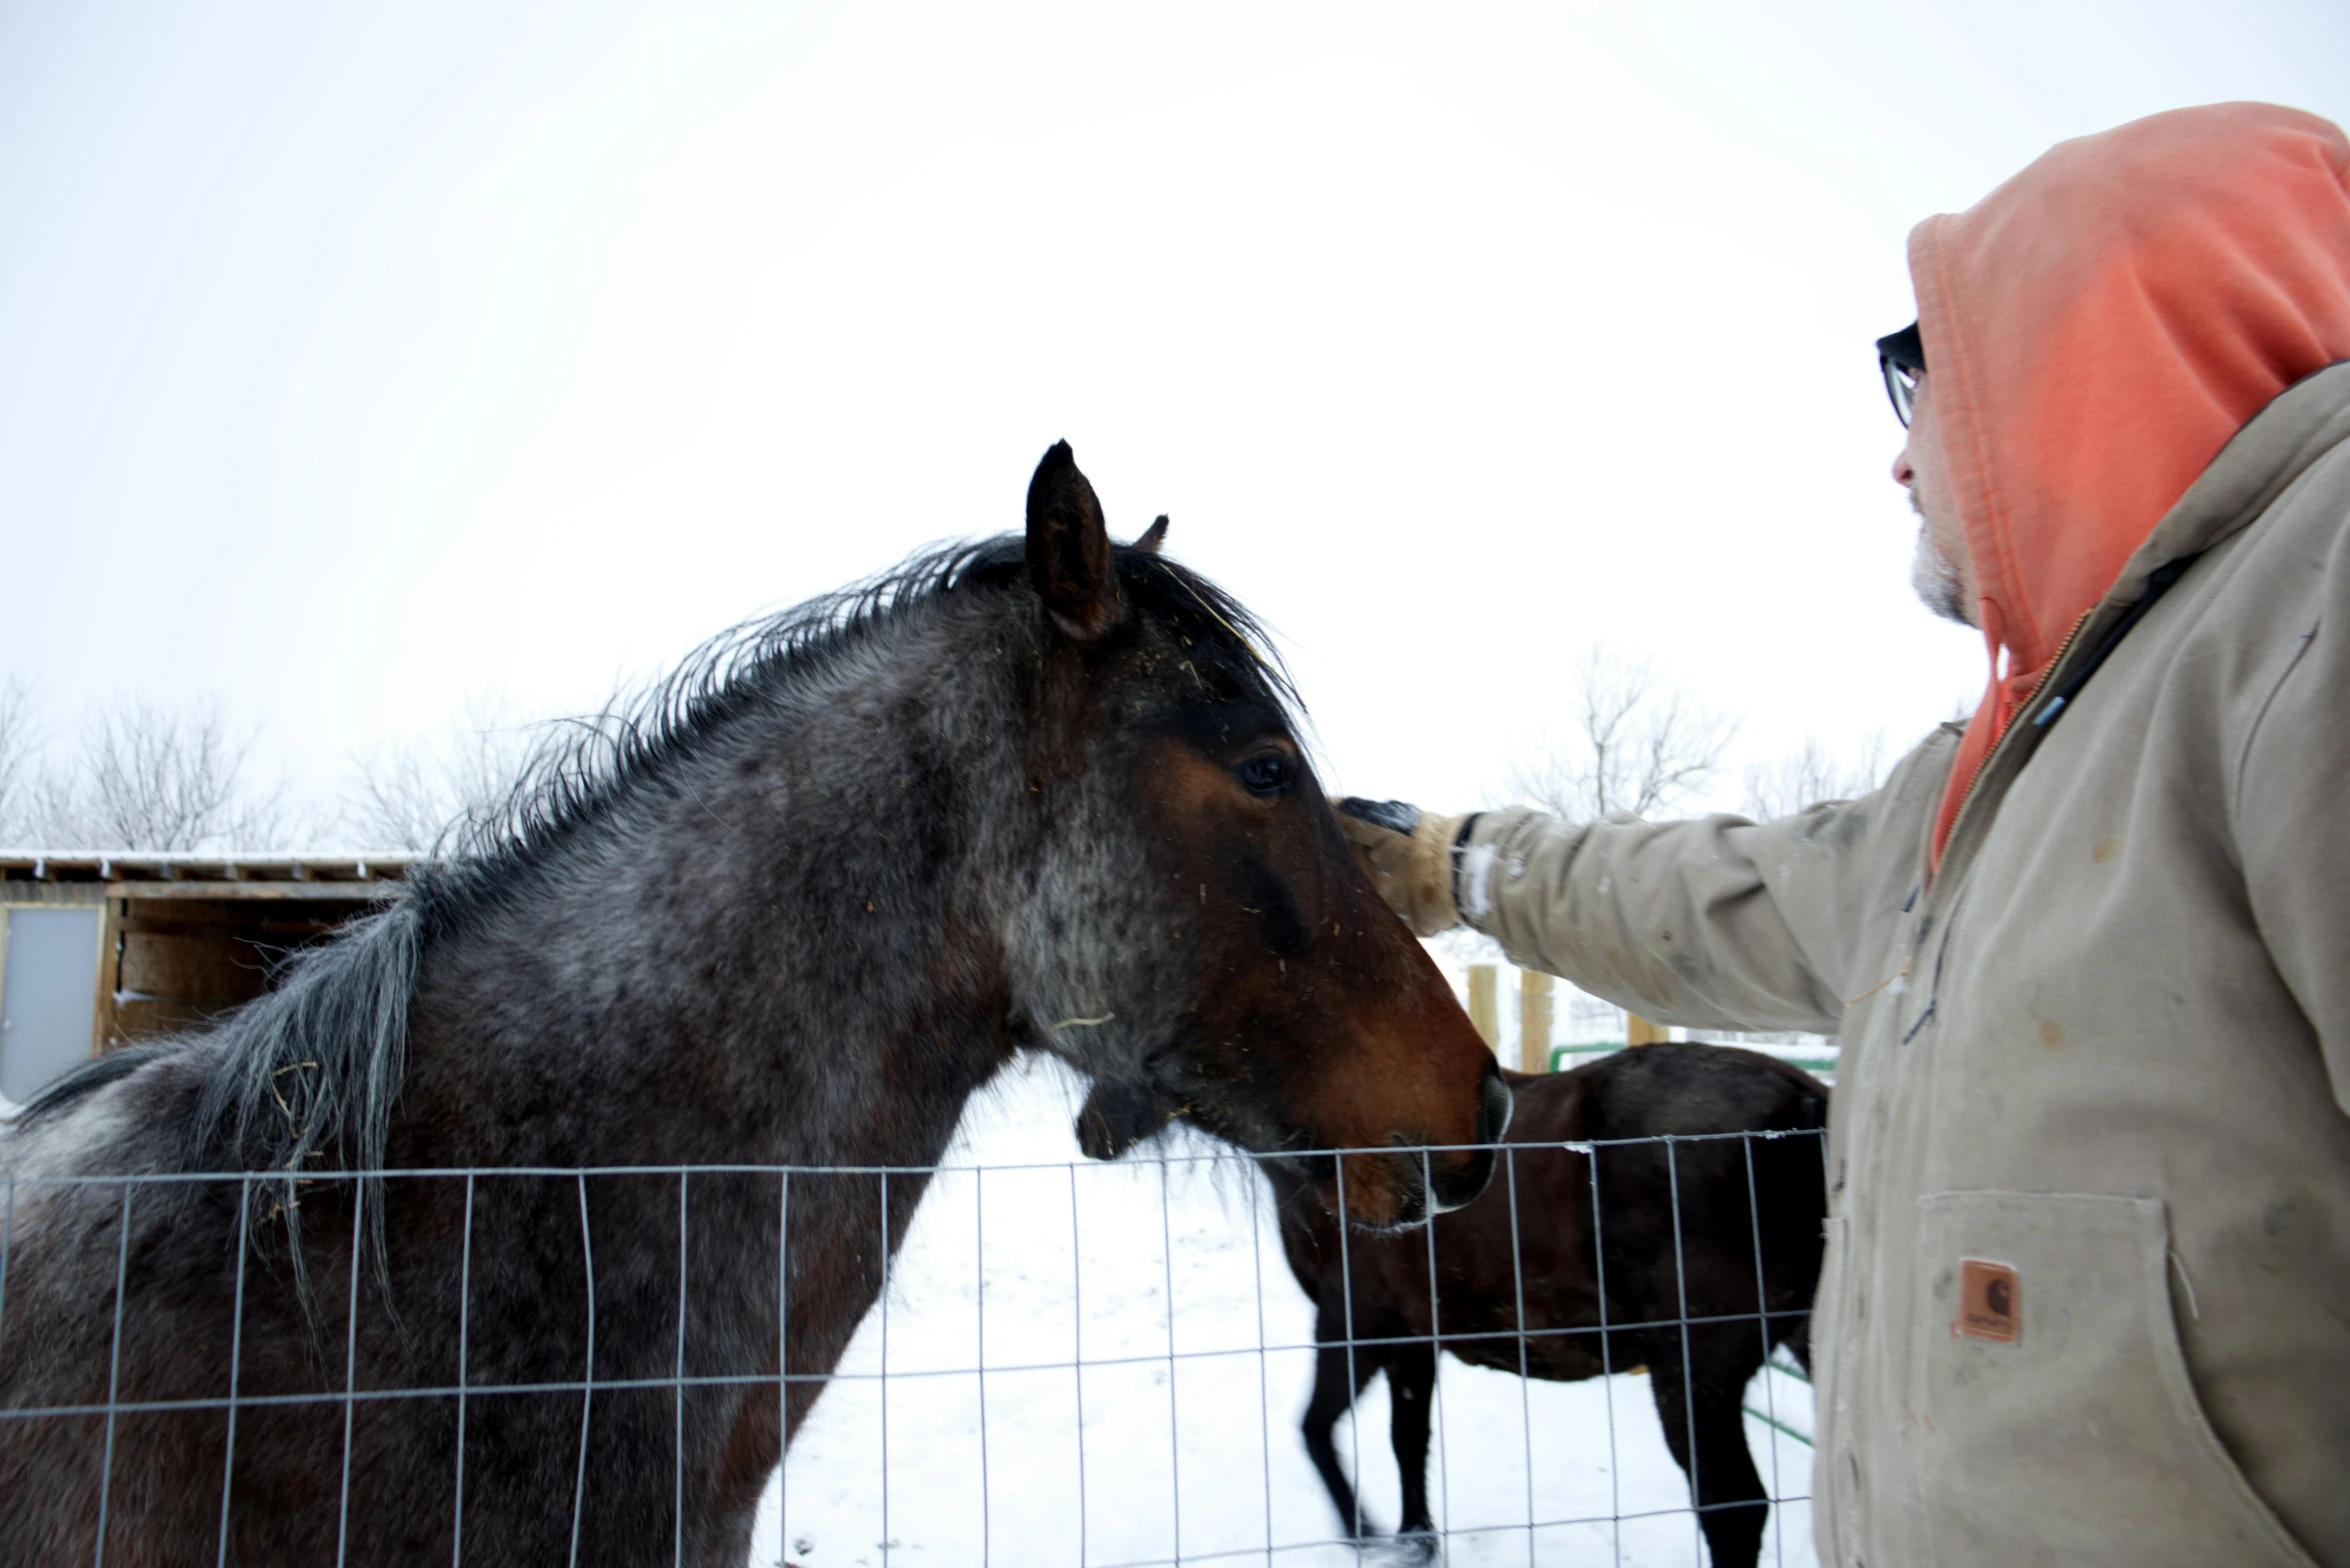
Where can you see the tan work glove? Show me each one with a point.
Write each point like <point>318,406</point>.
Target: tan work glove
<point>1409,853</point>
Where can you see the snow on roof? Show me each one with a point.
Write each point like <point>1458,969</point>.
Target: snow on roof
<point>229,871</point>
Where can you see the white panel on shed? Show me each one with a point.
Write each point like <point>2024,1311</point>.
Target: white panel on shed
<point>48,991</point>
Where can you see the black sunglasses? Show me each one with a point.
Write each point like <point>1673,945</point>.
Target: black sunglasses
<point>1901,358</point>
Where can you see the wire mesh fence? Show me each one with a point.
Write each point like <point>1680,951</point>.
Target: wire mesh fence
<point>1066,1362</point>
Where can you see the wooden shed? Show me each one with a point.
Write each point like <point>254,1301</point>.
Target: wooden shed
<point>100,951</point>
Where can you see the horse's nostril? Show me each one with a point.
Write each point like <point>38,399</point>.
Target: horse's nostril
<point>1458,1179</point>
<point>1494,1102</point>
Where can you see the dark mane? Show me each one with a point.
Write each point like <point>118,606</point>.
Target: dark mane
<point>311,1071</point>
<point>581,767</point>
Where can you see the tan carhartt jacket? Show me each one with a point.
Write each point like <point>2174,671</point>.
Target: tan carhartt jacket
<point>2106,1047</point>
<point>2101,1055</point>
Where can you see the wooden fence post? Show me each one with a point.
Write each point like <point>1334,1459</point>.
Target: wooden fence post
<point>1639,1031</point>
<point>1485,1005</point>
<point>1533,1021</point>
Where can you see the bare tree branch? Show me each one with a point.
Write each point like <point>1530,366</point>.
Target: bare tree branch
<point>1812,777</point>
<point>1638,747</point>
<point>392,802</point>
<point>19,739</point>
<point>151,778</point>
<point>414,800</point>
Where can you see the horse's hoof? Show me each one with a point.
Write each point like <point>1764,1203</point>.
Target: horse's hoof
<point>1412,1546</point>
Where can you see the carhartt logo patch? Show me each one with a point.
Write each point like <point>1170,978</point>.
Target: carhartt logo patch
<point>1989,1302</point>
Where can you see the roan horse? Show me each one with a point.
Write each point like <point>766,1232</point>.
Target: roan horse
<point>791,911</point>
<point>1521,1283</point>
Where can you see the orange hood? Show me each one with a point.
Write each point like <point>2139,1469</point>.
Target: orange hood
<point>2095,330</point>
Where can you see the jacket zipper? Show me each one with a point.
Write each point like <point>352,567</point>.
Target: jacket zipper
<point>2157,585</point>
<point>2032,718</point>
<point>1941,886</point>
<point>2017,723</point>
<point>1862,1224</point>
<point>2050,698</point>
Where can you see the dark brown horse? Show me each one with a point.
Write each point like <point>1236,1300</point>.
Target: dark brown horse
<point>1703,1226</point>
<point>1722,1235</point>
<point>332,1282</point>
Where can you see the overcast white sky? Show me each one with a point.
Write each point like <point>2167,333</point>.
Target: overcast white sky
<point>359,361</point>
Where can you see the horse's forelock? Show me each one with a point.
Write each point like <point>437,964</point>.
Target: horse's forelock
<point>1197,608</point>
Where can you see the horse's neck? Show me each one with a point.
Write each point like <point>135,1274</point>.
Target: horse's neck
<point>781,951</point>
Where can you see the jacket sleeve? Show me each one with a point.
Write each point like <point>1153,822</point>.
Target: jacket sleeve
<point>2289,824</point>
<point>1715,923</point>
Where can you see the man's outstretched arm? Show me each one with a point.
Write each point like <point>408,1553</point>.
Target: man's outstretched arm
<point>1713,923</point>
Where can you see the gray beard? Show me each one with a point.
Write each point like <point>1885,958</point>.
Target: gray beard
<point>1934,575</point>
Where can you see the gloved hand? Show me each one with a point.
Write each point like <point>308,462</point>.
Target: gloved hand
<point>1409,854</point>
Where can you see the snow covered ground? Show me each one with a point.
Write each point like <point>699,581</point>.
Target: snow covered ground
<point>1110,1430</point>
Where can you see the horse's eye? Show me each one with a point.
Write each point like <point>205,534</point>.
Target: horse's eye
<point>1269,774</point>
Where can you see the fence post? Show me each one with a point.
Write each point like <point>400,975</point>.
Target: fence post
<point>1485,1005</point>
<point>1533,1021</point>
<point>1639,1031</point>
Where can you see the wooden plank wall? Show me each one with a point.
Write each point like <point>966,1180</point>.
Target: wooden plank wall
<point>177,962</point>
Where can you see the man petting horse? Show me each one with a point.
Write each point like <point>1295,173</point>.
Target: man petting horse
<point>2087,1289</point>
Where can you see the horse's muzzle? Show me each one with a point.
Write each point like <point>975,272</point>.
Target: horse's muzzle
<point>1457,1179</point>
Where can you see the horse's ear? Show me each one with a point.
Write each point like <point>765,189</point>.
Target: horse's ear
<point>1069,548</point>
<point>1153,536</point>
<point>1116,1117</point>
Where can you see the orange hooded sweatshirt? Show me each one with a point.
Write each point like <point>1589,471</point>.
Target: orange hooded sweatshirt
<point>2095,330</point>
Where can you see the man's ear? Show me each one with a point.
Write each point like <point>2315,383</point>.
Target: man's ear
<point>1154,536</point>
<point>1069,548</point>
<point>1116,1117</point>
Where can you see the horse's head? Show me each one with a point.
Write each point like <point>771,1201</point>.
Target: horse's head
<point>1201,939</point>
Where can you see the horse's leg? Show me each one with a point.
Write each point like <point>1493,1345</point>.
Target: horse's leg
<point>1336,1387</point>
<point>1411,1392</point>
<point>1703,1421</point>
